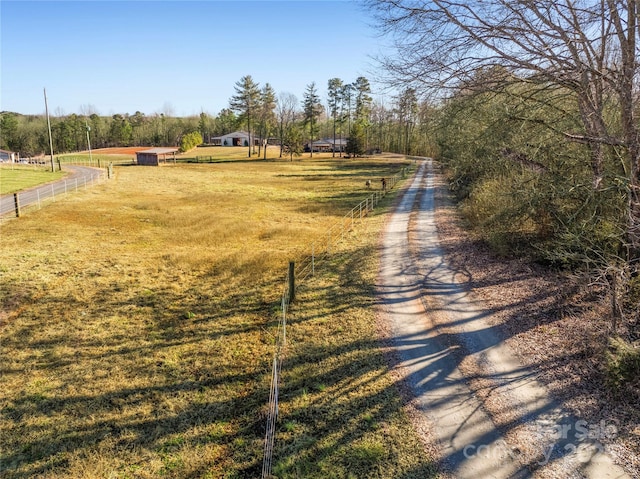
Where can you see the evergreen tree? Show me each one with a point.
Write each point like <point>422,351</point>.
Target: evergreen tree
<point>312,109</point>
<point>363,101</point>
<point>334,90</point>
<point>204,126</point>
<point>346,104</point>
<point>246,101</point>
<point>225,122</point>
<point>266,115</point>
<point>355,142</point>
<point>293,140</point>
<point>9,131</point>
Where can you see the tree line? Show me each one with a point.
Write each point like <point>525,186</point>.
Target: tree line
<point>349,113</point>
<point>537,125</point>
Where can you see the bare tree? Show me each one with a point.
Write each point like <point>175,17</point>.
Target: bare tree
<point>286,112</point>
<point>583,50</point>
<point>407,110</point>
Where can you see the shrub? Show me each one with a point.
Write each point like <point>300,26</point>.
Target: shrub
<point>190,140</point>
<point>623,365</point>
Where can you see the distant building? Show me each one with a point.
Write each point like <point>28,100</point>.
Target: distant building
<point>326,145</point>
<point>9,156</point>
<point>154,156</point>
<point>237,138</point>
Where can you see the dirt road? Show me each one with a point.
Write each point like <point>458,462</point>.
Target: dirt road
<point>487,414</point>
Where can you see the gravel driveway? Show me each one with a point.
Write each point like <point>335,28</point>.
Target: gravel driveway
<point>80,177</point>
<point>487,415</point>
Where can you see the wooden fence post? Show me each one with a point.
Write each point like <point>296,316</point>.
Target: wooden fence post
<point>292,281</point>
<point>17,203</point>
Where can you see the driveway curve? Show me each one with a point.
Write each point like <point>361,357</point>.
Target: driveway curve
<point>488,415</point>
<point>80,177</point>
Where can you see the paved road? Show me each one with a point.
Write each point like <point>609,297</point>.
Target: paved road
<point>436,325</point>
<point>80,177</point>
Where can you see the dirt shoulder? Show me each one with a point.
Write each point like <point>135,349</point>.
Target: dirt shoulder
<point>552,323</point>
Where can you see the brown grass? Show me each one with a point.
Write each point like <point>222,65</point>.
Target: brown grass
<point>137,327</point>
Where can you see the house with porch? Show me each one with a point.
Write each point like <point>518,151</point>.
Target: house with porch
<point>327,145</point>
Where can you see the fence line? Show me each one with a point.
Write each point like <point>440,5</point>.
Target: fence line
<point>305,268</point>
<point>23,201</point>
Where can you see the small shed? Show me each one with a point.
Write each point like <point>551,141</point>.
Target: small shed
<point>153,156</point>
<point>9,156</point>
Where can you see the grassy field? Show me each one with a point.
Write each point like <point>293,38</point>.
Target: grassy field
<point>224,153</point>
<point>138,320</point>
<point>206,154</point>
<point>15,178</point>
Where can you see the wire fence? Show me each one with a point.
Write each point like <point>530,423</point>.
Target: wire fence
<point>96,161</point>
<point>297,274</point>
<point>17,204</point>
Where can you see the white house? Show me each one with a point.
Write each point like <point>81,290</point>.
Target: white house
<point>236,138</point>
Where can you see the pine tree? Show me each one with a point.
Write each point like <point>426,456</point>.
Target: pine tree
<point>334,90</point>
<point>312,109</point>
<point>246,101</point>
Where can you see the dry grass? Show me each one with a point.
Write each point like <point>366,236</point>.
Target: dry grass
<point>137,328</point>
<point>341,414</point>
<point>235,153</point>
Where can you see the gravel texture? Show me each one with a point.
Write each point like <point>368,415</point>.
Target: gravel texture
<point>553,322</point>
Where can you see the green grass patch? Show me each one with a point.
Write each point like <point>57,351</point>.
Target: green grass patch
<point>137,325</point>
<point>16,178</point>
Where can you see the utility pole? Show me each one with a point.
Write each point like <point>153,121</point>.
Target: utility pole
<point>89,144</point>
<point>46,107</point>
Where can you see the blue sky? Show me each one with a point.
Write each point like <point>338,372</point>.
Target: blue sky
<point>180,57</point>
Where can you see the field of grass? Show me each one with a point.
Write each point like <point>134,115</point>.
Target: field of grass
<point>235,153</point>
<point>138,320</point>
<point>206,154</point>
<point>15,178</point>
